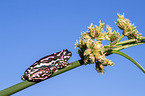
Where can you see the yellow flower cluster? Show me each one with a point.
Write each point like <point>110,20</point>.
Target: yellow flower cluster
<point>129,29</point>
<point>111,35</point>
<point>91,49</point>
<point>96,32</point>
<point>90,46</point>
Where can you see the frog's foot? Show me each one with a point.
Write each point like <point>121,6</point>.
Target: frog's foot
<point>23,78</point>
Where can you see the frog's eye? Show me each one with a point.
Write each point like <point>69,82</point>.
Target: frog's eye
<point>65,52</point>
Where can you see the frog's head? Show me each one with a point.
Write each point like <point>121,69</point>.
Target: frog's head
<point>66,55</point>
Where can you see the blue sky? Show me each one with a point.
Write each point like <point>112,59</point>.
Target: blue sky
<point>31,29</point>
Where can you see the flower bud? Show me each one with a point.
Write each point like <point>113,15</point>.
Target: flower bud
<point>111,36</point>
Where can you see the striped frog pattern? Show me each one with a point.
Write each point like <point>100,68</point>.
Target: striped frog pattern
<point>46,66</point>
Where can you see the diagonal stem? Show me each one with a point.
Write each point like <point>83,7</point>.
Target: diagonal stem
<point>24,84</point>
<point>129,58</point>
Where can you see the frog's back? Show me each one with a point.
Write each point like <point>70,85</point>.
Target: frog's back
<point>46,66</point>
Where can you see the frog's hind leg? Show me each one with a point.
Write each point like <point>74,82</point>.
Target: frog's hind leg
<point>42,74</point>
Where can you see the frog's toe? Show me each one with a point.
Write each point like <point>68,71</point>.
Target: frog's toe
<point>23,78</point>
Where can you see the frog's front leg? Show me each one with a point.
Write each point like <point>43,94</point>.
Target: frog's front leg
<point>62,64</point>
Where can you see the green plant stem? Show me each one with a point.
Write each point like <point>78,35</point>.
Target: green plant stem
<point>117,40</point>
<point>24,84</point>
<point>142,38</point>
<point>124,45</point>
<point>128,57</point>
<point>120,37</point>
<point>126,42</point>
<point>127,46</point>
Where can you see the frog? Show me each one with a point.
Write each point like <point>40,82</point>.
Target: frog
<point>45,67</point>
